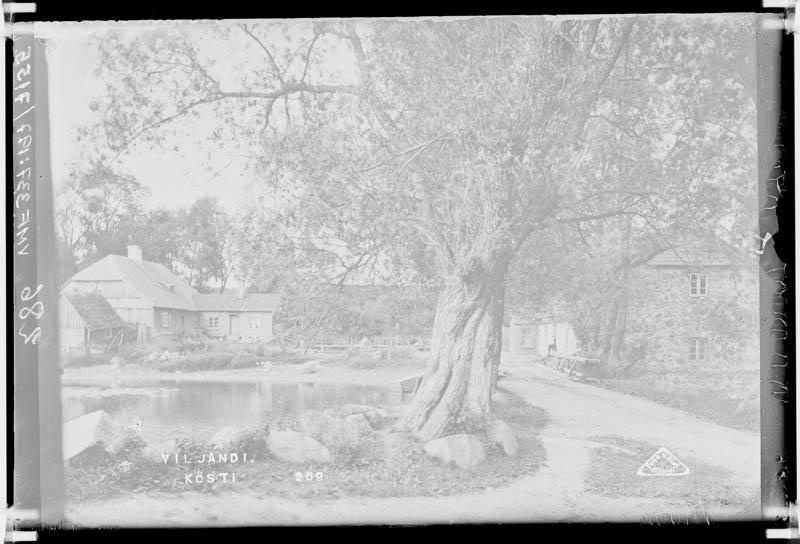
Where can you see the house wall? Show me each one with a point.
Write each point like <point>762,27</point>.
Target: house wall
<point>70,325</point>
<point>542,334</point>
<point>175,324</point>
<point>263,333</point>
<point>664,315</point>
<point>263,330</point>
<point>125,300</point>
<point>223,330</point>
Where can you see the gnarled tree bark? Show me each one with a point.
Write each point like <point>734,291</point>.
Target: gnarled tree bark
<point>466,345</point>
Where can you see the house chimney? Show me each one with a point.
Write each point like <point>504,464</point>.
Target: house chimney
<point>135,253</point>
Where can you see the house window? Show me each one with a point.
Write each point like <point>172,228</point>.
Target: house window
<point>213,322</point>
<point>166,319</point>
<point>698,285</point>
<point>198,321</point>
<point>255,322</point>
<point>108,333</point>
<point>697,349</point>
<point>527,337</point>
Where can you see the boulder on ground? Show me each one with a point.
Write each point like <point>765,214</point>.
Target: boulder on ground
<point>463,450</point>
<point>86,430</point>
<point>376,416</point>
<point>503,435</point>
<point>223,437</point>
<point>360,422</point>
<point>333,432</point>
<point>120,434</point>
<point>297,447</point>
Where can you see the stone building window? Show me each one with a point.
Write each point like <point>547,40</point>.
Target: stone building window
<point>698,285</point>
<point>166,319</point>
<point>697,348</point>
<point>213,322</point>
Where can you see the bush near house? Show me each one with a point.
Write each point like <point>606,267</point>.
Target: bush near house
<point>84,360</point>
<point>725,396</point>
<point>208,361</point>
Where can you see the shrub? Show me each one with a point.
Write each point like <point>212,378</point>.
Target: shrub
<point>244,360</point>
<point>134,354</point>
<point>361,360</point>
<point>197,361</point>
<point>209,360</point>
<point>251,441</point>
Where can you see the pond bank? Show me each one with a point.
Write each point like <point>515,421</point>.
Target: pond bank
<point>326,372</point>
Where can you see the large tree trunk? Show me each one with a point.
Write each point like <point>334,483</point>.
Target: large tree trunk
<point>466,346</point>
<point>614,334</point>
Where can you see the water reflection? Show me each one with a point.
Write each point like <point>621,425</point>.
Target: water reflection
<point>200,409</point>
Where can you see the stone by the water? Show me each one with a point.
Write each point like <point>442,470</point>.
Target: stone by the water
<point>223,438</point>
<point>297,447</point>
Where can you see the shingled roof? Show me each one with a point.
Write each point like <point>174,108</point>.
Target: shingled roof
<point>232,302</point>
<point>165,289</point>
<point>95,311</point>
<point>151,280</point>
<point>698,253</point>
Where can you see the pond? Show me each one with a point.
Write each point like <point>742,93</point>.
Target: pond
<point>171,409</point>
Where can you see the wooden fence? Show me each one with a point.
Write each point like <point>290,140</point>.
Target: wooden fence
<point>378,343</point>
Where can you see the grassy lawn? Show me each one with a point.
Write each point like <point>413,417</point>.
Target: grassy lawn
<point>612,473</point>
<point>383,465</point>
<point>716,395</point>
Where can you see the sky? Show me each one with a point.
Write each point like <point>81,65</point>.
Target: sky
<point>173,180</point>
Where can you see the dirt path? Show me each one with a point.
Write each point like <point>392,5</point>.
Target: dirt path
<point>579,411</point>
<point>555,493</point>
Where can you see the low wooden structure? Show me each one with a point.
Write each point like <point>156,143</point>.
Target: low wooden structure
<point>88,321</point>
<point>575,367</point>
<point>407,387</point>
<point>350,344</point>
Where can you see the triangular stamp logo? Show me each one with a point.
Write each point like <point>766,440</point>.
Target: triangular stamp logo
<point>663,463</point>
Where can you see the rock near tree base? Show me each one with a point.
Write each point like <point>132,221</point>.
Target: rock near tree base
<point>503,435</point>
<point>463,450</point>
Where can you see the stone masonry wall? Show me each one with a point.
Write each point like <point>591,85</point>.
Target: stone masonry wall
<point>665,316</point>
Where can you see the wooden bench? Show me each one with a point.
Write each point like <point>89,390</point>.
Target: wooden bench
<point>575,367</point>
<point>409,385</point>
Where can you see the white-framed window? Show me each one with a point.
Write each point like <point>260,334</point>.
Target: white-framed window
<point>698,285</point>
<point>698,348</point>
<point>255,322</point>
<point>213,322</point>
<point>198,321</point>
<point>166,319</point>
<point>526,337</point>
<point>108,333</point>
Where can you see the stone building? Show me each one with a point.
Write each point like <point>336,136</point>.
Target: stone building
<point>695,305</point>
